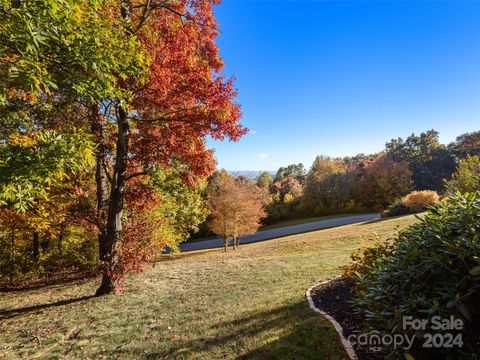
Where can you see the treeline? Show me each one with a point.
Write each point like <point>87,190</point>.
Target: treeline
<point>55,227</point>
<point>366,182</point>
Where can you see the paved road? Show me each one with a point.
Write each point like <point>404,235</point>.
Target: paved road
<point>279,232</point>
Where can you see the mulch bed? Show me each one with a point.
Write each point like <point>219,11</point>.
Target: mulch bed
<point>333,298</point>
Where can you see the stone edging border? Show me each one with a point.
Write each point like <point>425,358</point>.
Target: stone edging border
<point>346,344</point>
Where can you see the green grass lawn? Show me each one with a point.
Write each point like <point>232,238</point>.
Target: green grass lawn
<point>247,304</point>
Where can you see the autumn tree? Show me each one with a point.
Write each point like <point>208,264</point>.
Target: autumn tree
<point>322,190</point>
<point>264,180</point>
<point>36,173</point>
<point>183,100</point>
<point>294,170</point>
<point>56,53</point>
<point>283,199</point>
<point>182,207</point>
<point>30,164</point>
<point>236,208</point>
<point>289,186</point>
<point>356,162</point>
<point>59,59</point>
<point>145,76</point>
<point>383,180</point>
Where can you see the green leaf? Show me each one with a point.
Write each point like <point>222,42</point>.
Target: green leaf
<point>475,271</point>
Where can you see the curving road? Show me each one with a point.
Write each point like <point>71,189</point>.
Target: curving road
<point>280,232</point>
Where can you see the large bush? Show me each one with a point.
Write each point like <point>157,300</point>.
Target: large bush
<point>420,200</point>
<point>398,208</point>
<point>364,258</point>
<point>433,270</point>
<point>414,202</point>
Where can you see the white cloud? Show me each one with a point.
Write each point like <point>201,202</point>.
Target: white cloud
<point>262,156</point>
<point>259,135</point>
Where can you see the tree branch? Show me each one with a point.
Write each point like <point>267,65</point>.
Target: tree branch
<point>148,8</point>
<point>140,173</point>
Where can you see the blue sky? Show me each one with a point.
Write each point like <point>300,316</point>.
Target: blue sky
<point>341,78</point>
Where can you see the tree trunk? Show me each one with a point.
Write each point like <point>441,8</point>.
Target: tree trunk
<point>36,245</point>
<point>12,256</point>
<point>115,209</point>
<point>101,180</point>
<point>225,242</point>
<point>113,231</point>
<point>63,227</point>
<point>238,242</point>
<point>45,244</point>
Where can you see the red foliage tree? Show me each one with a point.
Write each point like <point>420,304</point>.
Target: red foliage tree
<point>383,180</point>
<point>184,100</point>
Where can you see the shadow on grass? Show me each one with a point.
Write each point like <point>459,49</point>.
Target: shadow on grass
<point>380,219</point>
<point>182,255</point>
<point>8,314</point>
<point>58,279</point>
<point>288,332</point>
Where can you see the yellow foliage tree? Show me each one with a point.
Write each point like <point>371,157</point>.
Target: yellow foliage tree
<point>236,207</point>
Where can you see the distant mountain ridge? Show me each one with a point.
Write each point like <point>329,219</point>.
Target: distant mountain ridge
<point>251,174</point>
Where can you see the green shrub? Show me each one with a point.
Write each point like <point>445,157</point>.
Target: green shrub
<point>364,259</point>
<point>467,176</point>
<point>398,208</point>
<point>433,270</point>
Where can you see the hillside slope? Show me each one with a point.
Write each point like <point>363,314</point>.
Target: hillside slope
<point>209,305</point>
